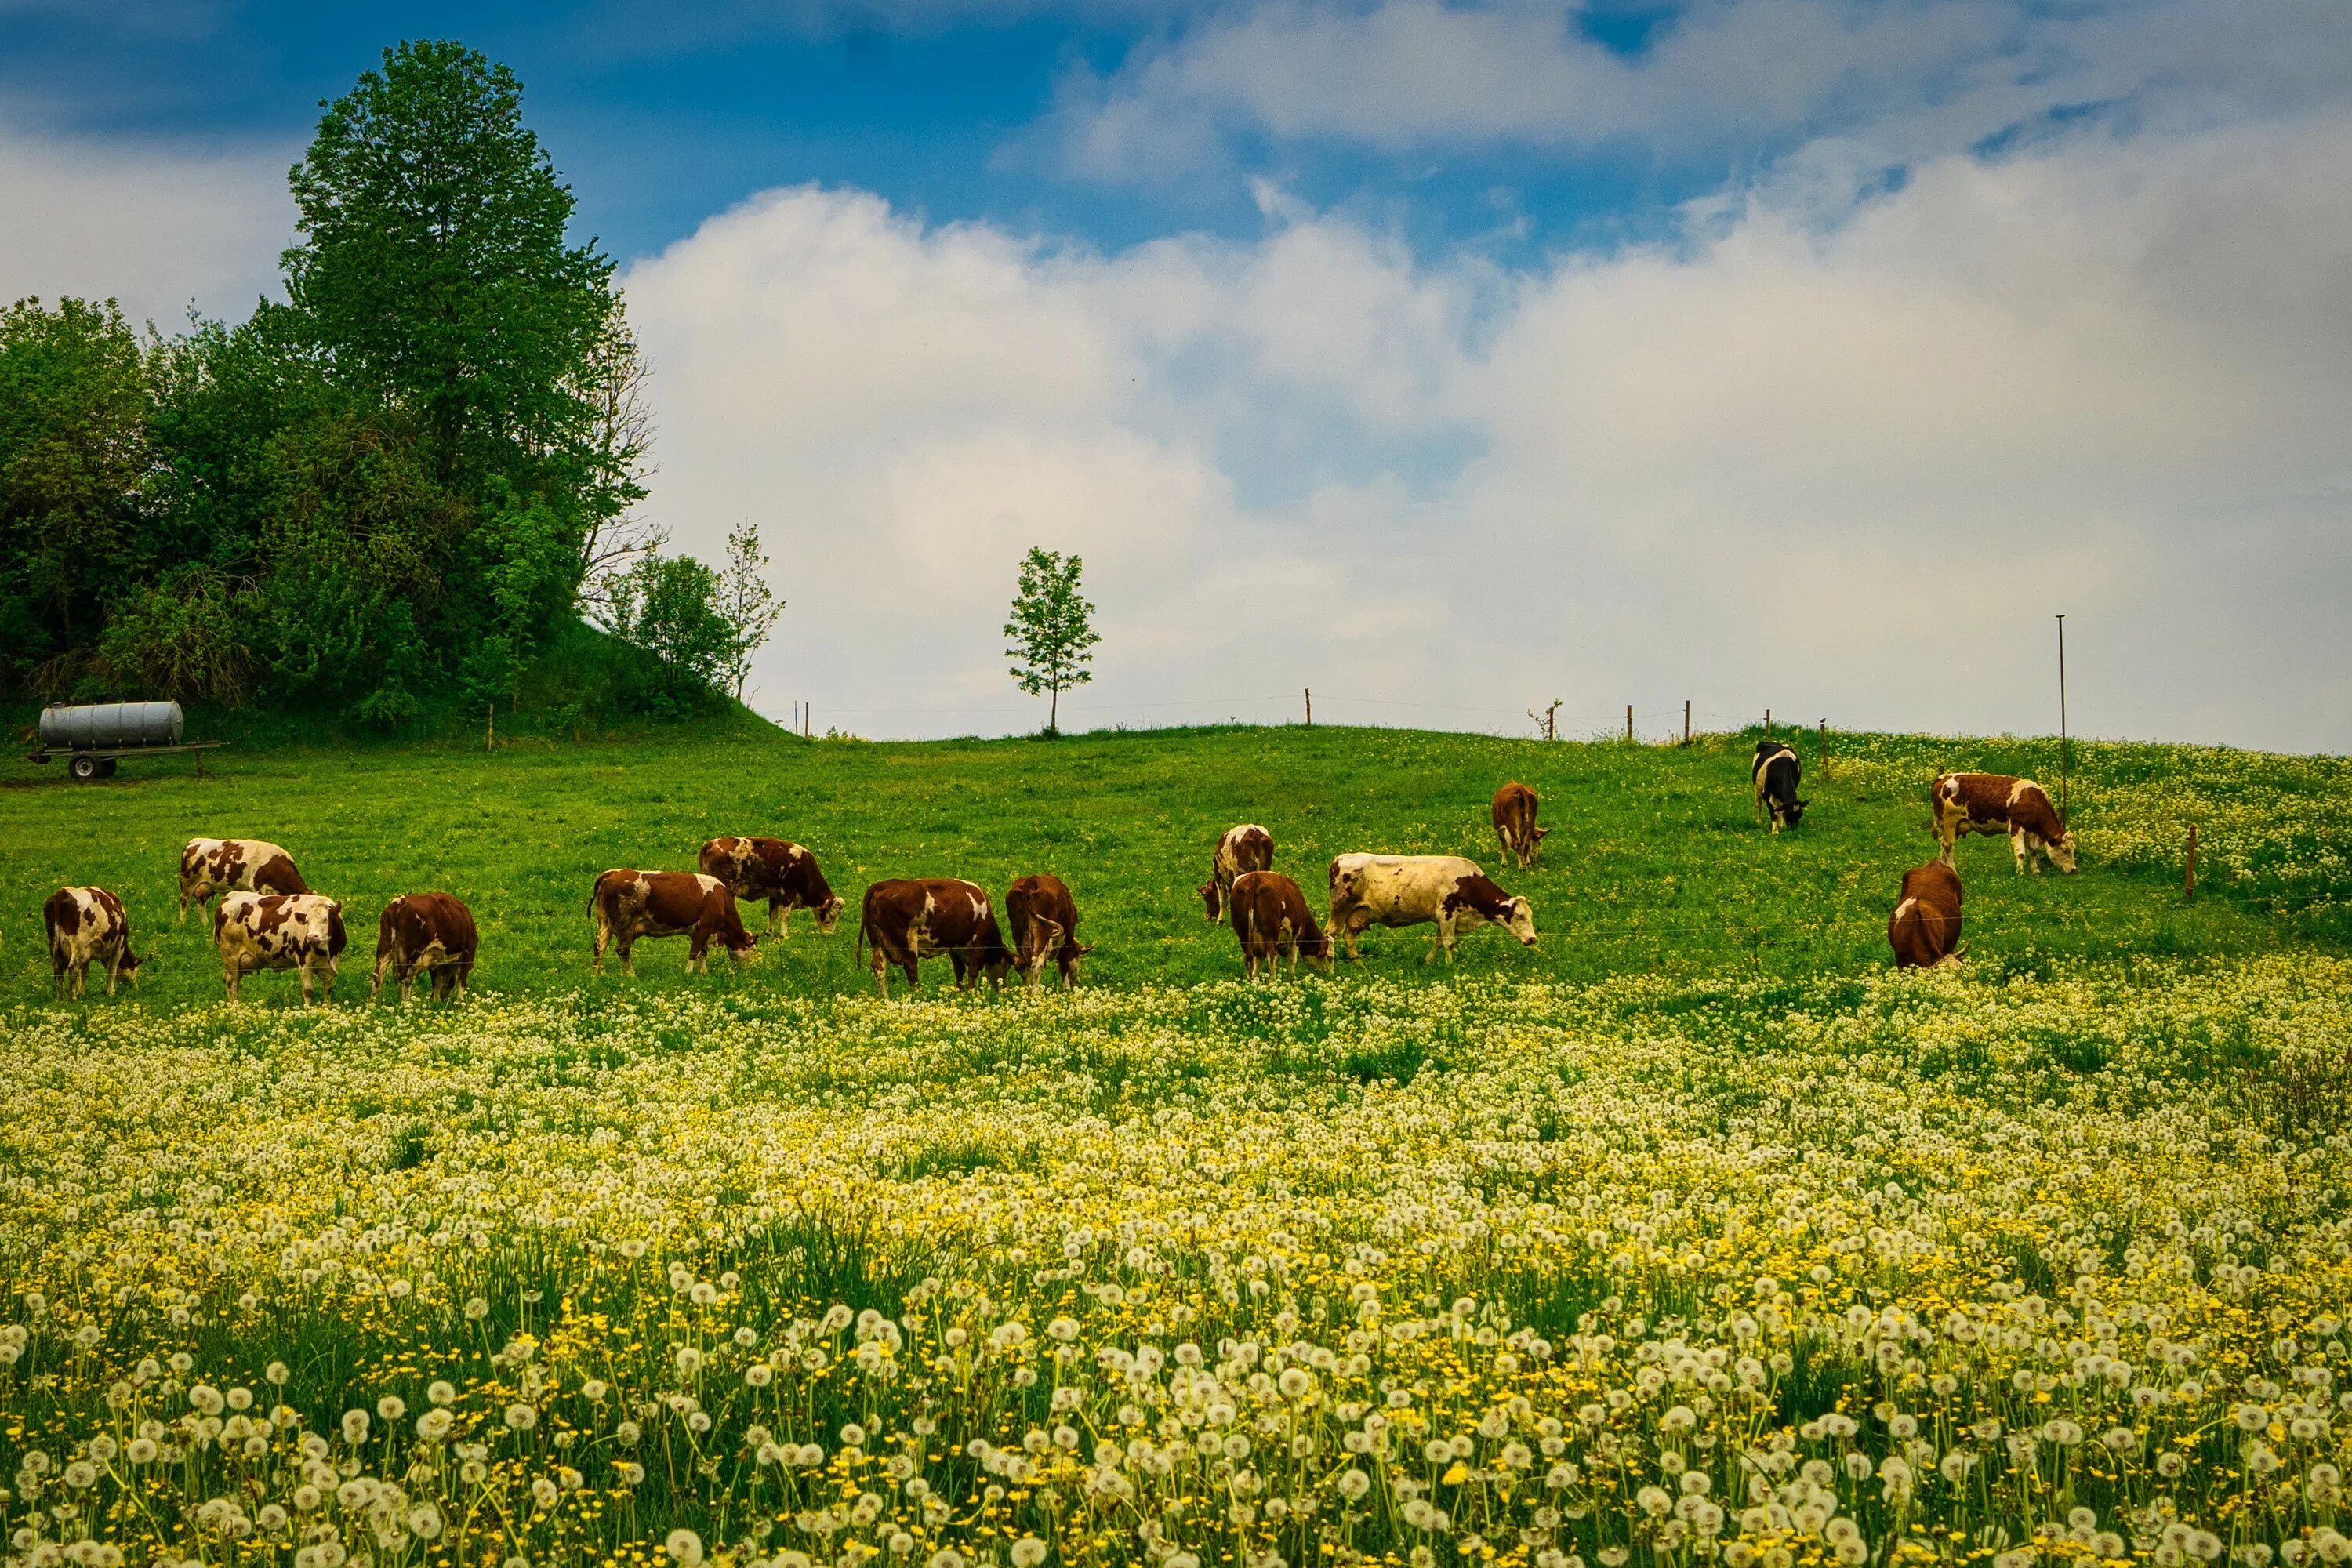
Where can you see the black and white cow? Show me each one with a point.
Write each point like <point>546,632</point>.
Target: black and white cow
<point>1778,774</point>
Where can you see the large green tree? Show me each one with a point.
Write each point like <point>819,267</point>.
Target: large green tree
<point>435,269</point>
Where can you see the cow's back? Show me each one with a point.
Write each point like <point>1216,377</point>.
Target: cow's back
<point>1514,807</point>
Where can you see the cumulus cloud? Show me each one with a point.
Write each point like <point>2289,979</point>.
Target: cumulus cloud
<point>157,227</point>
<point>1848,472</point>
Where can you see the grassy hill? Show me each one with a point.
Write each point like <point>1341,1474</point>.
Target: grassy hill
<point>1654,864</point>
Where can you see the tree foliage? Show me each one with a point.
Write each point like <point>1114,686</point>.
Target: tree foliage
<point>389,489</point>
<point>1052,629</point>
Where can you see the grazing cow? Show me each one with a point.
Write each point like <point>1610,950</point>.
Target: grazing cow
<point>209,865</point>
<point>1925,930</point>
<point>783,873</point>
<point>300,931</point>
<point>1044,921</point>
<point>1247,848</point>
<point>87,926</point>
<point>627,904</point>
<point>1776,775</point>
<point>1397,890</point>
<point>1515,822</point>
<point>1271,917</point>
<point>1996,803</point>
<point>424,934</point>
<point>906,921</point>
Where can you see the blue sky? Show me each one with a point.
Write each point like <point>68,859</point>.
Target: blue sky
<point>661,115</point>
<point>1446,356</point>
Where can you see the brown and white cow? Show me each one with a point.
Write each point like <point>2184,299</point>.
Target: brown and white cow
<point>1271,917</point>
<point>1994,804</point>
<point>300,931</point>
<point>1397,890</point>
<point>1247,848</point>
<point>424,934</point>
<point>778,870</point>
<point>627,904</point>
<point>1045,922</point>
<point>1925,930</point>
<point>1513,812</point>
<point>907,920</point>
<point>209,865</point>
<point>87,926</point>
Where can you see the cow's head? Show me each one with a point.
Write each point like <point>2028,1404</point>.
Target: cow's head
<point>1791,814</point>
<point>130,963</point>
<point>828,914</point>
<point>740,944</point>
<point>1519,919</point>
<point>1539,834</point>
<point>1208,896</point>
<point>1320,952</point>
<point>2062,851</point>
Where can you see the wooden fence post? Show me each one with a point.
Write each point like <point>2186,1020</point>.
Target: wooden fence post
<point>1767,723</point>
<point>1311,705</point>
<point>490,733</point>
<point>1685,721</point>
<point>2189,877</point>
<point>1823,760</point>
<point>1629,723</point>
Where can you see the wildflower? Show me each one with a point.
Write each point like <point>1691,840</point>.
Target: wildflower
<point>522,1417</point>
<point>685,1548</point>
<point>355,1428</point>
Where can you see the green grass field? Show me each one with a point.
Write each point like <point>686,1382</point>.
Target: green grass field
<point>1697,1234</point>
<point>1654,863</point>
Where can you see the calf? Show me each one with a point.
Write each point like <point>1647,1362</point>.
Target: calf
<point>1247,848</point>
<point>1925,930</point>
<point>1271,917</point>
<point>627,904</point>
<point>1776,775</point>
<point>209,865</point>
<point>300,931</point>
<point>1044,921</point>
<point>87,926</point>
<point>1515,822</point>
<point>424,934</point>
<point>781,873</point>
<point>1996,803</point>
<point>1397,890</point>
<point>906,921</point>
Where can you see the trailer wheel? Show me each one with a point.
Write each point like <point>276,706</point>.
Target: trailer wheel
<point>85,769</point>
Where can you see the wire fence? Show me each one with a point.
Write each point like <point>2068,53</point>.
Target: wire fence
<point>1652,720</point>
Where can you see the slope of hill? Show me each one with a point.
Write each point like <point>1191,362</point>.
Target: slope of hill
<point>1654,863</point>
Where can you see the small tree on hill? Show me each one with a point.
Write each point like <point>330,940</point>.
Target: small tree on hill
<point>1052,629</point>
<point>746,602</point>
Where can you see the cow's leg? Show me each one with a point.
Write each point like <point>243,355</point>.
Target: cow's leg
<point>114,970</point>
<point>2018,850</point>
<point>302,973</point>
<point>375,981</point>
<point>779,919</point>
<point>625,949</point>
<point>229,975</point>
<point>327,992</point>
<point>697,954</point>
<point>82,979</point>
<point>882,973</point>
<point>604,938</point>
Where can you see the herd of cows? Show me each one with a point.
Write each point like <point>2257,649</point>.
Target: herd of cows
<point>268,919</point>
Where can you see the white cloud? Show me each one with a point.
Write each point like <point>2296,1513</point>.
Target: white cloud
<point>1857,84</point>
<point>155,227</point>
<point>1850,473</point>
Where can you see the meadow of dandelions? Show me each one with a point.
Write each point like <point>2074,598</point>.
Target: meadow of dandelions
<point>1905,1269</point>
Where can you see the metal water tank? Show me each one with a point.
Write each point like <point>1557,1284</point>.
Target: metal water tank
<point>105,726</point>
